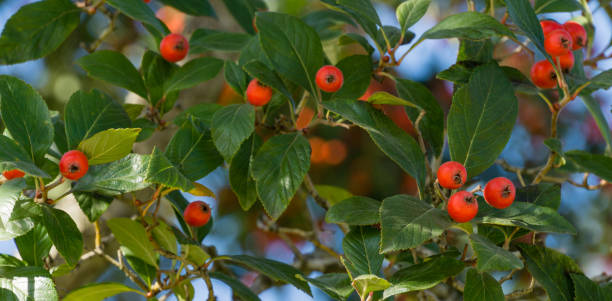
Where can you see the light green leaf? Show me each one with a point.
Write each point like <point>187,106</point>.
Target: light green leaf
<point>133,236</point>
<point>333,194</point>
<point>385,98</point>
<point>27,284</point>
<point>108,146</point>
<point>193,73</point>
<point>275,270</point>
<point>64,234</point>
<point>162,171</point>
<point>231,126</point>
<point>492,257</point>
<point>11,227</point>
<point>482,286</point>
<point>163,235</point>
<point>99,291</point>
<point>194,254</point>
<point>410,12</point>
<point>357,210</point>
<point>365,284</point>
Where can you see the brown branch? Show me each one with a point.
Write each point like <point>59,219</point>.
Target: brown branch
<point>312,190</point>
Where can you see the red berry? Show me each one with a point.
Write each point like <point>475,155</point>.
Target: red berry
<point>73,165</point>
<point>462,206</point>
<point>543,75</point>
<point>549,25</point>
<point>147,1</point>
<point>578,33</point>
<point>386,59</point>
<point>197,214</point>
<point>499,192</point>
<point>558,42</point>
<point>13,174</point>
<point>174,47</point>
<point>566,61</point>
<point>452,175</point>
<point>258,94</point>
<point>329,78</point>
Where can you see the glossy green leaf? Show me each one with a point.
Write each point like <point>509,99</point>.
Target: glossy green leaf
<point>93,204</point>
<point>193,152</point>
<point>598,164</point>
<point>362,11</point>
<point>235,77</point>
<point>365,284</point>
<point>481,119</point>
<point>138,10</point>
<point>108,146</point>
<point>554,6</point>
<point>240,178</point>
<point>268,77</point>
<point>523,16</point>
<point>243,12</point>
<point>492,257</point>
<point>163,235</point>
<point>194,254</point>
<point>64,234</point>
<point>360,247</point>
<point>238,288</point>
<point>292,46</point>
<point>333,194</point>
<point>586,289</point>
<point>133,236</point>
<point>115,68</point>
<point>231,126</point>
<point>203,40</point>
<point>99,291</point>
<point>276,270</point>
<point>192,7</point>
<point>407,222</point>
<point>13,156</point>
<point>11,227</point>
<point>357,210</point>
<point>88,113</point>
<point>145,271</point>
<point>410,12</point>
<point>162,171</point>
<point>336,285</point>
<point>357,72</point>
<point>467,25</point>
<point>193,73</point>
<point>482,286</point>
<point>37,29</point>
<point>25,116</point>
<point>392,140</point>
<point>279,169</point>
<point>125,175</point>
<point>27,284</point>
<point>34,245</point>
<point>525,215</point>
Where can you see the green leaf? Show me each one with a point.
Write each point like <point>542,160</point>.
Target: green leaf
<point>37,29</point>
<point>333,194</point>
<point>34,245</point>
<point>162,171</point>
<point>243,12</point>
<point>64,234</point>
<point>240,177</point>
<point>267,76</point>
<point>110,145</point>
<point>362,11</point>
<point>93,204</point>
<point>523,16</point>
<point>192,7</point>
<point>201,115</point>
<point>550,268</point>
<point>482,286</point>
<point>133,236</point>
<point>365,284</point>
<point>357,71</point>
<point>470,51</point>
<point>115,68</point>
<point>357,210</point>
<point>25,116</point>
<point>156,71</point>
<point>138,10</point>
<point>203,40</point>
<point>163,235</point>
<point>193,152</point>
<point>125,175</point>
<point>8,261</point>
<point>13,156</point>
<point>602,124</point>
<point>88,113</point>
<point>423,275</point>
<point>467,25</point>
<point>133,110</point>
<point>481,119</point>
<point>336,285</point>
<point>598,164</point>
<point>328,23</point>
<point>27,284</point>
<point>587,290</point>
<point>432,123</point>
<point>410,12</point>
<point>492,257</point>
<point>235,77</point>
<point>407,222</point>
<point>99,291</point>
<point>543,194</point>
<point>393,141</point>
<point>385,98</point>
<point>554,145</point>
<point>11,227</point>
<point>292,46</point>
<point>194,254</point>
<point>231,126</point>
<point>238,288</point>
<point>554,6</point>
<point>276,270</point>
<point>360,247</point>
<point>279,169</point>
<point>525,215</point>
<point>145,271</point>
<point>351,38</point>
<point>194,72</point>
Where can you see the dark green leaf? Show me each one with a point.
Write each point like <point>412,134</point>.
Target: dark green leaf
<point>595,110</point>
<point>276,270</point>
<point>193,73</point>
<point>243,12</point>
<point>200,114</point>
<point>492,257</point>
<point>98,291</point>
<point>10,226</point>
<point>410,12</point>
<point>357,71</point>
<point>268,77</point>
<point>138,10</point>
<point>64,233</point>
<point>279,169</point>
<point>543,194</point>
<point>162,171</point>
<point>336,285</point>
<point>125,175</point>
<point>34,245</point>
<point>523,16</point>
<point>588,290</point>
<point>192,7</point>
<point>231,126</point>
<point>598,164</point>
<point>27,284</point>
<point>362,11</point>
<point>554,145</point>
<point>554,6</point>
<point>13,156</point>
<point>327,23</point>
<point>351,38</point>
<point>238,288</point>
<point>407,222</point>
<point>93,204</point>
<point>193,152</point>
<point>37,29</point>
<point>108,146</point>
<point>203,40</point>
<point>525,215</point>
<point>360,247</point>
<point>467,25</point>
<point>133,236</point>
<point>240,177</point>
<point>147,128</point>
<point>471,51</point>
<point>482,286</point>
<point>357,210</point>
<point>115,68</point>
<point>235,77</point>
<point>156,71</point>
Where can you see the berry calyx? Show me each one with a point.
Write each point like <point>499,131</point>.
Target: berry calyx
<point>499,192</point>
<point>558,42</point>
<point>197,214</point>
<point>329,78</point>
<point>13,174</point>
<point>258,94</point>
<point>566,61</point>
<point>543,75</point>
<point>452,175</point>
<point>578,34</point>
<point>174,47</point>
<point>549,25</point>
<point>73,165</point>
<point>462,206</point>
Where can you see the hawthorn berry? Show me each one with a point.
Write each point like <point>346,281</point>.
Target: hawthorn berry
<point>13,174</point>
<point>462,206</point>
<point>578,34</point>
<point>147,1</point>
<point>543,75</point>
<point>73,165</point>
<point>386,58</point>
<point>174,47</point>
<point>549,25</point>
<point>499,192</point>
<point>258,94</point>
<point>452,175</point>
<point>197,214</point>
<point>558,42</point>
<point>329,78</point>
<point>566,61</point>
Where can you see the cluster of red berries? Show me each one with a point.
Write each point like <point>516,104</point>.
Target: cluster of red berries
<point>197,214</point>
<point>462,205</point>
<point>559,42</point>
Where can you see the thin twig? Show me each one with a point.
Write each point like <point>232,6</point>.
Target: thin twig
<point>312,190</point>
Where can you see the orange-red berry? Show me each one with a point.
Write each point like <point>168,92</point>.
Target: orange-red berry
<point>578,34</point>
<point>549,25</point>
<point>329,78</point>
<point>499,192</point>
<point>462,206</point>
<point>13,174</point>
<point>73,165</point>
<point>543,75</point>
<point>452,175</point>
<point>174,47</point>
<point>566,61</point>
<point>197,214</point>
<point>258,94</point>
<point>558,42</point>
